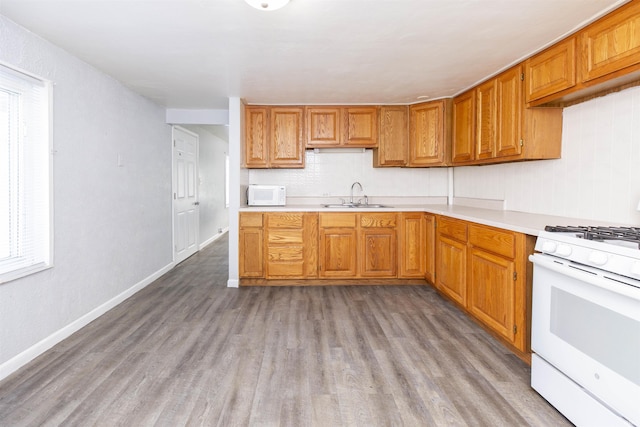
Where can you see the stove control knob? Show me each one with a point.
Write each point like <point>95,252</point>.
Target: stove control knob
<point>598,258</point>
<point>549,247</point>
<point>564,250</point>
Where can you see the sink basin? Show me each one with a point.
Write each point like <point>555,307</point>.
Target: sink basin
<point>355,205</point>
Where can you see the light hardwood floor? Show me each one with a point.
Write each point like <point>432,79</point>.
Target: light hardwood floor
<point>187,350</point>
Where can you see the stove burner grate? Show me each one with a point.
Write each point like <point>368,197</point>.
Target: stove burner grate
<point>599,233</point>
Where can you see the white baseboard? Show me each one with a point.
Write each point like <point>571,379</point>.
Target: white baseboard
<point>213,239</point>
<point>18,361</point>
<point>233,283</point>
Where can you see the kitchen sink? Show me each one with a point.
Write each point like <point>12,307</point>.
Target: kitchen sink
<point>355,205</point>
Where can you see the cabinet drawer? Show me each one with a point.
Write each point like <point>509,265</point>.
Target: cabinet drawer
<point>453,228</point>
<point>293,269</point>
<point>338,220</point>
<point>285,220</point>
<point>283,236</point>
<point>285,253</point>
<point>386,220</point>
<point>494,240</point>
<point>250,219</point>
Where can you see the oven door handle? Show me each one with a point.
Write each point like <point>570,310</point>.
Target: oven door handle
<point>599,280</point>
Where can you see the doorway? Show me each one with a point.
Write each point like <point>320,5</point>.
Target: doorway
<point>186,214</point>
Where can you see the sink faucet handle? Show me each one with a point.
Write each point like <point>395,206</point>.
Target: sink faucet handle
<point>366,199</point>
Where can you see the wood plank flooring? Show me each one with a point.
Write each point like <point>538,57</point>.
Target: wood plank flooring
<point>187,350</point>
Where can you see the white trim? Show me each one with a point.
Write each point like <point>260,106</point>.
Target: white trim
<point>231,283</point>
<point>213,239</point>
<point>18,361</point>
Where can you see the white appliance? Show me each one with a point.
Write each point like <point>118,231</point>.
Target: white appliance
<point>585,331</point>
<point>266,195</point>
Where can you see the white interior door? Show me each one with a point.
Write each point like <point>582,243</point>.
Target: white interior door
<point>185,194</point>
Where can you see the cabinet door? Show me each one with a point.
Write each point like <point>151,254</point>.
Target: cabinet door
<point>324,126</point>
<point>250,253</point>
<point>611,44</point>
<point>426,135</point>
<point>464,128</point>
<point>509,112</point>
<point>492,291</point>
<point>337,252</point>
<point>451,277</point>
<point>286,145</point>
<point>361,127</point>
<point>256,137</point>
<point>378,252</point>
<point>393,146</point>
<point>412,245</point>
<point>486,120</point>
<point>551,71</point>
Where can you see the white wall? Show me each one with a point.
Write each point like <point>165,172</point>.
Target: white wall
<point>112,224</point>
<point>597,178</point>
<point>331,174</point>
<point>214,146</point>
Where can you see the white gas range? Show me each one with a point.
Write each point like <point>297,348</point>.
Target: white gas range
<point>586,323</point>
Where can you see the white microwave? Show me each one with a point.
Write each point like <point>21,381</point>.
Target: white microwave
<point>266,195</point>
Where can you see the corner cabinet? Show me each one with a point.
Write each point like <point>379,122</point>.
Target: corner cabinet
<point>393,141</point>
<point>416,257</point>
<point>274,137</point>
<point>485,271</point>
<point>429,134</point>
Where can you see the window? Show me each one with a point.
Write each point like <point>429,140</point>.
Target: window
<point>25,175</point>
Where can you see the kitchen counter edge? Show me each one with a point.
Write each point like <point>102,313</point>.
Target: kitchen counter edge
<point>521,222</point>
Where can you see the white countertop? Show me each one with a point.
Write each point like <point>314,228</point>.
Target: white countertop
<point>522,222</point>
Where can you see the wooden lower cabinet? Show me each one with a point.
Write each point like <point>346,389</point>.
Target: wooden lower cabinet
<point>491,294</point>
<point>378,245</point>
<point>451,262</point>
<point>338,245</point>
<point>485,270</point>
<point>416,257</point>
<point>291,245</point>
<point>307,245</point>
<point>250,243</point>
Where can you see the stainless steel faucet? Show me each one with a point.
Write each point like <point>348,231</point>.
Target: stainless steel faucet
<point>353,185</point>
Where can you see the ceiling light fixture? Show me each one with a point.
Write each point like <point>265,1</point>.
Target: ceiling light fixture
<point>267,4</point>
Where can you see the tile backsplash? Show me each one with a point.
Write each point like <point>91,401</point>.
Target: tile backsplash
<point>598,176</point>
<point>330,174</point>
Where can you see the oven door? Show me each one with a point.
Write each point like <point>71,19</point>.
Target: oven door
<point>587,326</point>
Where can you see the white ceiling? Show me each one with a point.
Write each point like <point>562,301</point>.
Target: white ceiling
<point>197,53</point>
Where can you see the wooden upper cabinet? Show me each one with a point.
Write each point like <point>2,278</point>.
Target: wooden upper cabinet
<point>393,144</point>
<point>274,137</point>
<point>551,71</point>
<point>509,104</point>
<point>463,142</point>
<point>611,44</point>
<point>286,148</point>
<point>324,126</point>
<point>256,150</point>
<point>427,143</point>
<point>486,120</point>
<point>342,126</point>
<point>361,127</point>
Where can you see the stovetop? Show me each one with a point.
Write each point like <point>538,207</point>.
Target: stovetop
<point>603,234</point>
<point>611,249</point>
